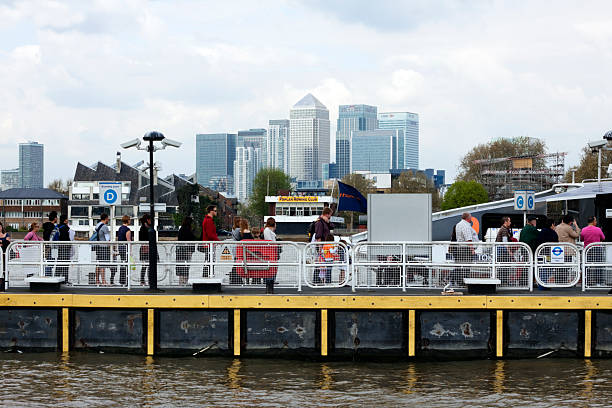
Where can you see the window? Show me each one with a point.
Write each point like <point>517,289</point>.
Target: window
<point>50,202</point>
<point>292,211</point>
<point>122,210</point>
<point>14,214</point>
<point>97,211</point>
<point>300,211</point>
<point>83,222</point>
<point>96,196</point>
<point>125,197</point>
<point>79,211</point>
<point>32,214</point>
<point>80,196</point>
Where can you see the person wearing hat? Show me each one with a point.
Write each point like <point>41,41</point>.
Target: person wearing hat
<point>529,233</point>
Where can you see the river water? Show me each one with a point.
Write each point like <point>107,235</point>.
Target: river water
<point>124,380</point>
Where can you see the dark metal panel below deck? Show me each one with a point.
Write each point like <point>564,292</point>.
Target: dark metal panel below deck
<point>108,328</point>
<point>287,330</point>
<point>454,330</point>
<point>380,330</point>
<point>28,328</point>
<point>206,330</point>
<point>542,331</point>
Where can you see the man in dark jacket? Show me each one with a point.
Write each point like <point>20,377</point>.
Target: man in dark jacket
<point>547,234</point>
<point>504,234</point>
<point>64,250</point>
<point>529,233</point>
<point>322,226</point>
<point>49,226</point>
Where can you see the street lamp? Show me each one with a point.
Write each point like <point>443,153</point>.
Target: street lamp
<point>152,137</point>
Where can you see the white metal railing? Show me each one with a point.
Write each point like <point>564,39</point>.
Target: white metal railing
<point>326,264</point>
<point>557,265</point>
<point>597,266</point>
<point>435,265</point>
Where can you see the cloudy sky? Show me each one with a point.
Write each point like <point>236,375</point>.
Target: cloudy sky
<point>83,76</point>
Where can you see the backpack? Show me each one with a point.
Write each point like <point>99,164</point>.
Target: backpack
<point>55,233</point>
<point>96,235</point>
<point>311,229</point>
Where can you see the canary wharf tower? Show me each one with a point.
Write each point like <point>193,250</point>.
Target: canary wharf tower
<point>309,139</point>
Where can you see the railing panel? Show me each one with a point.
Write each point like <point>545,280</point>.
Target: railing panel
<point>597,266</point>
<point>326,264</point>
<point>557,265</point>
<point>23,259</point>
<point>378,265</point>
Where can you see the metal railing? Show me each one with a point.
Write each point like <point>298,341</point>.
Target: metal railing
<point>326,264</point>
<point>557,265</point>
<point>434,265</point>
<point>597,266</point>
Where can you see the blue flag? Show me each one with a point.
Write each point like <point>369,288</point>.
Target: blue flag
<point>349,199</point>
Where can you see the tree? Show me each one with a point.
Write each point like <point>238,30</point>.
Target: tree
<point>408,182</point>
<point>499,148</point>
<point>196,208</point>
<point>60,186</point>
<point>267,181</point>
<point>462,193</point>
<point>587,169</point>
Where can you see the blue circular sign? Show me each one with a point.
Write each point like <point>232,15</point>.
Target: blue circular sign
<point>520,202</point>
<point>557,251</point>
<point>110,196</point>
<point>530,202</point>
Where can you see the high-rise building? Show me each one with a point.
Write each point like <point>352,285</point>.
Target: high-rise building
<point>9,179</point>
<point>377,151</point>
<point>308,139</point>
<point>257,139</point>
<point>215,155</point>
<point>245,169</point>
<point>278,145</point>
<point>409,124</point>
<point>350,118</point>
<point>31,165</point>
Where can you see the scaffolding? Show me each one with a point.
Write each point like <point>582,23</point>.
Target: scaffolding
<point>502,176</point>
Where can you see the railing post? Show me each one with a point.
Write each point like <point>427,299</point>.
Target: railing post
<point>403,276</point>
<point>300,266</point>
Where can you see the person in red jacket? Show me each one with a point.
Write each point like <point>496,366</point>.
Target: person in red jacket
<point>209,231</point>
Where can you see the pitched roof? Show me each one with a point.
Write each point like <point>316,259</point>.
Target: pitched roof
<point>31,193</point>
<point>309,101</point>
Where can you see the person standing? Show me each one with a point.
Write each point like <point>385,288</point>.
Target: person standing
<point>236,229</point>
<point>464,231</point>
<point>32,233</point>
<point>591,234</point>
<point>124,234</point>
<point>568,230</point>
<point>49,226</point>
<point>269,234</point>
<point>322,226</point>
<point>547,234</point>
<point>143,236</point>
<point>505,233</point>
<point>103,253</point>
<point>529,233</point>
<point>184,251</point>
<point>5,240</point>
<point>209,230</point>
<point>64,250</point>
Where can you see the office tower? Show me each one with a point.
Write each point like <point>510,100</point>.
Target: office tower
<point>409,124</point>
<point>31,165</point>
<point>9,179</point>
<point>257,139</point>
<point>245,169</point>
<point>377,150</point>
<point>278,144</point>
<point>308,139</point>
<point>215,155</point>
<point>350,118</point>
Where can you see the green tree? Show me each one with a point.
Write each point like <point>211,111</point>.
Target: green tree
<point>470,169</point>
<point>192,203</point>
<point>408,182</point>
<point>269,181</point>
<point>587,169</point>
<point>462,193</point>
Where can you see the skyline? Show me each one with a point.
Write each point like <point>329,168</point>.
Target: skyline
<point>472,73</point>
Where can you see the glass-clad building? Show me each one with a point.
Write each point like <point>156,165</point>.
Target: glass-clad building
<point>215,155</point>
<point>278,144</point>
<point>351,118</point>
<point>408,123</point>
<point>377,151</point>
<point>257,139</point>
<point>31,165</point>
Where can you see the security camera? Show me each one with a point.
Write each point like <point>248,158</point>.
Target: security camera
<point>608,135</point>
<point>171,143</point>
<point>131,143</point>
<point>597,144</point>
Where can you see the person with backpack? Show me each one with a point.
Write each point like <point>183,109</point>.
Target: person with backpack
<point>322,226</point>
<point>143,236</point>
<point>123,234</point>
<point>102,233</point>
<point>49,226</point>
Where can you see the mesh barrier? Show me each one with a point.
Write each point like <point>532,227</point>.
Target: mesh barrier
<point>597,266</point>
<point>326,264</point>
<point>557,265</point>
<point>435,265</point>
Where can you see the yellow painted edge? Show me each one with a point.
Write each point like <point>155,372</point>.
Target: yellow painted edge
<point>411,333</point>
<point>237,332</point>
<point>549,302</point>
<point>323,332</point>
<point>587,333</point>
<point>65,330</point>
<point>500,334</point>
<point>150,332</point>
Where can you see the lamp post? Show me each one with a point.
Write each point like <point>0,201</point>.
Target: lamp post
<point>152,137</point>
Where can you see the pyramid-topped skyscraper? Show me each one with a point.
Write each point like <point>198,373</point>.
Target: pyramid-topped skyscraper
<point>308,139</point>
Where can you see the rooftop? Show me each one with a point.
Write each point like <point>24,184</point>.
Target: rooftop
<point>309,101</point>
<point>31,193</point>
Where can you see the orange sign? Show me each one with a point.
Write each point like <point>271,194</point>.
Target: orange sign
<point>475,224</point>
<point>297,199</point>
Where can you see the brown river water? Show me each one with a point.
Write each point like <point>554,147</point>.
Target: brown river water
<point>124,380</point>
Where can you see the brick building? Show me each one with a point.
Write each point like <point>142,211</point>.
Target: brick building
<point>19,207</point>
